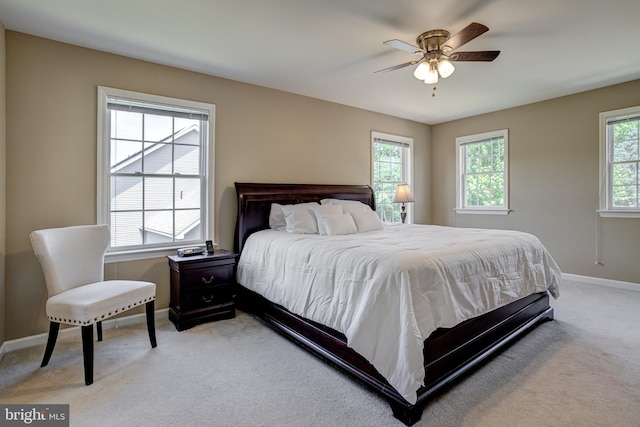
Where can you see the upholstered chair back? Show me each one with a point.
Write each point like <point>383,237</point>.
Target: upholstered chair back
<point>71,256</point>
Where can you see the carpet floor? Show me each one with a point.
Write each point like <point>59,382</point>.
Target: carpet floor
<point>582,369</point>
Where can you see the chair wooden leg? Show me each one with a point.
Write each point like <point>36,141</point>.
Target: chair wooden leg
<point>51,342</point>
<point>99,330</point>
<point>87,353</point>
<point>151,323</point>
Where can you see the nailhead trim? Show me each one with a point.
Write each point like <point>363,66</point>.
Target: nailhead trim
<point>99,318</point>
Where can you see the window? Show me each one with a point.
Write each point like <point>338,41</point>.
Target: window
<point>620,163</point>
<point>155,181</point>
<point>391,166</point>
<point>482,173</point>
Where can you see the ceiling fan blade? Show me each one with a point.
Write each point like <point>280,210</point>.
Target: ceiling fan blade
<point>396,67</point>
<point>399,44</point>
<point>467,34</point>
<point>485,55</point>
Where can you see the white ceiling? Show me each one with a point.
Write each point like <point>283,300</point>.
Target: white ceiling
<point>329,49</point>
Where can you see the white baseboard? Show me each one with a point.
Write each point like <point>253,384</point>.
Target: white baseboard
<point>39,339</point>
<point>629,286</point>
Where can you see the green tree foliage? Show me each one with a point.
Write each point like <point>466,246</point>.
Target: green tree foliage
<point>484,173</point>
<point>387,174</point>
<point>625,168</point>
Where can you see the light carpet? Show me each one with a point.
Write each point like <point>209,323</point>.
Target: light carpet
<point>582,369</point>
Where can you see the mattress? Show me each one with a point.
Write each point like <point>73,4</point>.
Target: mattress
<point>388,290</point>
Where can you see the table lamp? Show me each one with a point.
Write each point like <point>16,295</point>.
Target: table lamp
<point>403,195</point>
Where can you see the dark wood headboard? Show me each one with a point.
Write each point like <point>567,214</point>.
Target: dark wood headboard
<point>254,202</point>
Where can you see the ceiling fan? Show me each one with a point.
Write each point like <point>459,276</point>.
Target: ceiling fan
<point>436,48</point>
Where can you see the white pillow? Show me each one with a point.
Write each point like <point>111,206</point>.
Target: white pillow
<point>299,219</point>
<point>337,224</point>
<point>322,210</point>
<point>276,215</point>
<point>367,221</point>
<point>347,205</point>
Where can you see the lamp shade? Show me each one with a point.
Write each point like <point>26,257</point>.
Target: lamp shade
<point>421,71</point>
<point>445,68</point>
<point>403,194</point>
<point>431,77</point>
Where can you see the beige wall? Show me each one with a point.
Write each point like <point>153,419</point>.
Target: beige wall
<point>553,166</point>
<point>261,135</point>
<point>3,175</point>
<point>267,135</point>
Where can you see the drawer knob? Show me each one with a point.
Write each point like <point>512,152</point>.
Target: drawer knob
<point>207,300</point>
<point>207,282</point>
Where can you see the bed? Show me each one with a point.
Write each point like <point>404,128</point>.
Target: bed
<point>443,353</point>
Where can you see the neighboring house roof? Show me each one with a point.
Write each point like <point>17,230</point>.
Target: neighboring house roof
<point>161,222</point>
<point>137,156</point>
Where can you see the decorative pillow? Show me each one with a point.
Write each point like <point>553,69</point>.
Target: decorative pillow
<point>367,221</point>
<point>299,219</point>
<point>322,210</point>
<point>337,224</point>
<point>276,215</point>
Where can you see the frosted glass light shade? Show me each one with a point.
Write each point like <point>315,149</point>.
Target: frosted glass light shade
<point>421,71</point>
<point>432,77</point>
<point>445,68</point>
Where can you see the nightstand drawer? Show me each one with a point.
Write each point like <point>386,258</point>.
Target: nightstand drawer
<point>207,297</point>
<point>209,276</point>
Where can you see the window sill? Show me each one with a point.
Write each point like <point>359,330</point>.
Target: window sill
<point>467,211</point>
<point>619,214</point>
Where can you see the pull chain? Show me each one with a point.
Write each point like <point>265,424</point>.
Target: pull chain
<point>433,94</point>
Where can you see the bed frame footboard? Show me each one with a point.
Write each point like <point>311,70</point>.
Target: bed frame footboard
<point>448,353</point>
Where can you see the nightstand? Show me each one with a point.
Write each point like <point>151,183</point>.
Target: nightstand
<point>202,288</point>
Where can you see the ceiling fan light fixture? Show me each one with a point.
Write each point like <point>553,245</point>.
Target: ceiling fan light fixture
<point>431,77</point>
<point>421,71</point>
<point>439,50</point>
<point>445,68</point>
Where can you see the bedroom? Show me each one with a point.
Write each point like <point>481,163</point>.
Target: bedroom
<point>255,126</point>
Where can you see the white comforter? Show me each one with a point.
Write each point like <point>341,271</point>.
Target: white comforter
<point>388,290</point>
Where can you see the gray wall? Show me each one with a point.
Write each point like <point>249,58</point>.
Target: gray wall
<point>3,177</point>
<point>267,135</point>
<point>553,166</point>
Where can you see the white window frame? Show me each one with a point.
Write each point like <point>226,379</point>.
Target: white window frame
<point>461,143</point>
<point>407,178</point>
<point>605,208</point>
<point>103,172</point>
